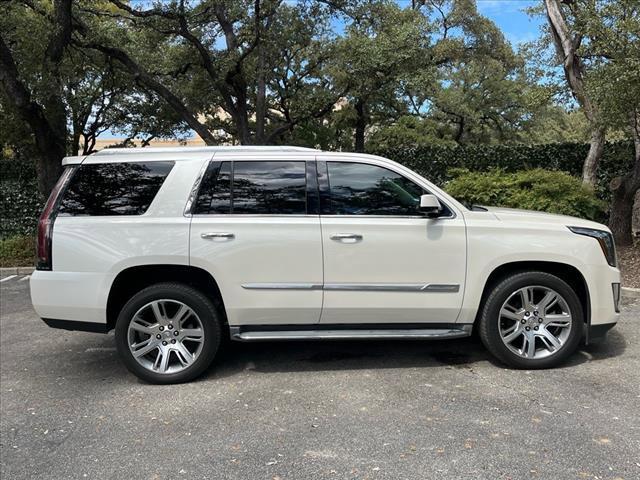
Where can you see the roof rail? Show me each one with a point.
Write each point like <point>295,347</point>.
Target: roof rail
<point>240,148</point>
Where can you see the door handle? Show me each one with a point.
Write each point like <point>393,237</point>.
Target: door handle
<point>346,237</point>
<point>215,235</point>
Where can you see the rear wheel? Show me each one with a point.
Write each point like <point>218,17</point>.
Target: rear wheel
<point>532,320</point>
<point>168,333</point>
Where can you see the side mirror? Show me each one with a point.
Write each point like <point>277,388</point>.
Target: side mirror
<point>430,205</point>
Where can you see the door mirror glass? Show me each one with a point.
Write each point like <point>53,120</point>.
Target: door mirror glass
<point>430,205</point>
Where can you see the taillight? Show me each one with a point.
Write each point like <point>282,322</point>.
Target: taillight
<point>45,223</point>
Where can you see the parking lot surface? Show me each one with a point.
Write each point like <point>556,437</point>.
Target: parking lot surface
<point>335,410</point>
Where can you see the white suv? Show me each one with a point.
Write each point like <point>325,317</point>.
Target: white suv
<point>180,249</point>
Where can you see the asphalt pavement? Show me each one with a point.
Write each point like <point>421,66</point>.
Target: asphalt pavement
<point>334,410</point>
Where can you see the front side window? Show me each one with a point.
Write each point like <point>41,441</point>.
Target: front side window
<point>264,188</point>
<point>113,188</point>
<point>362,189</point>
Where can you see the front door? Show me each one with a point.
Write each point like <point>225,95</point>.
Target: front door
<point>383,261</point>
<point>253,231</point>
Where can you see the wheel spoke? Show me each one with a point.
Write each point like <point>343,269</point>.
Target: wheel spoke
<point>515,333</point>
<point>144,347</point>
<point>529,346</point>
<point>139,325</point>
<point>505,312</point>
<point>195,334</point>
<point>527,297</point>
<point>548,301</point>
<point>162,360</point>
<point>159,312</point>
<point>183,313</point>
<point>185,357</point>
<point>558,320</point>
<point>550,340</point>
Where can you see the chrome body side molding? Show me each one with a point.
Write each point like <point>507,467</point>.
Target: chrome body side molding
<point>360,287</point>
<point>282,286</point>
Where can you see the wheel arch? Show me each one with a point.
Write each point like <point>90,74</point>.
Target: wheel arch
<point>564,271</point>
<point>133,279</point>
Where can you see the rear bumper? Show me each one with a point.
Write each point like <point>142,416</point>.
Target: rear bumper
<point>70,297</point>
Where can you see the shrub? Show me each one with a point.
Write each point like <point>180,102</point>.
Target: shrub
<point>17,251</point>
<point>19,208</point>
<point>537,189</point>
<point>434,162</point>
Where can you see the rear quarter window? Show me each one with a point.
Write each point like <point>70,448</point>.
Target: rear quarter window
<point>113,188</point>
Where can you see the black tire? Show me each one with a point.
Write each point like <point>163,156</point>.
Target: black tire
<point>489,322</point>
<point>191,297</point>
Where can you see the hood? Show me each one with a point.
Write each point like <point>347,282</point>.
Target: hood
<point>530,216</point>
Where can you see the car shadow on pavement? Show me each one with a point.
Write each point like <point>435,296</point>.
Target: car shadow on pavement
<point>98,358</point>
<point>271,357</point>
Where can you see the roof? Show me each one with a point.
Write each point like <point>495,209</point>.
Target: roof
<point>176,153</point>
<point>241,148</point>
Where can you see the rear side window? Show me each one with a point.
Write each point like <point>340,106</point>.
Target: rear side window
<point>261,188</point>
<point>113,188</point>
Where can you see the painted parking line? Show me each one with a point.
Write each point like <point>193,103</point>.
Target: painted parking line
<point>25,278</point>
<point>8,278</point>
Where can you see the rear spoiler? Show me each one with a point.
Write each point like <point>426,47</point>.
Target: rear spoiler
<point>73,160</point>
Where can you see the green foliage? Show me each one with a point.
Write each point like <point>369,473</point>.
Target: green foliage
<point>20,203</point>
<point>537,189</point>
<point>435,161</point>
<point>17,251</point>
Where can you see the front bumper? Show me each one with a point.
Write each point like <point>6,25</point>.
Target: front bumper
<point>596,333</point>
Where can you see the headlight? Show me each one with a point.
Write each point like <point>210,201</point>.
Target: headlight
<point>605,239</point>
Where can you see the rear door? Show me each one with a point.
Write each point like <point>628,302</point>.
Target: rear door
<point>256,229</point>
<point>384,262</point>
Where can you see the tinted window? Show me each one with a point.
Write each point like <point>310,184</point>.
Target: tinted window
<point>113,188</point>
<point>215,192</point>
<point>361,189</point>
<point>256,188</point>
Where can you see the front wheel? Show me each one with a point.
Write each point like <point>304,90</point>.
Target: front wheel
<point>168,333</point>
<point>532,320</point>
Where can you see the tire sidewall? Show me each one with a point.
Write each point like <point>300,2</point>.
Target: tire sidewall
<point>190,297</point>
<point>489,328</point>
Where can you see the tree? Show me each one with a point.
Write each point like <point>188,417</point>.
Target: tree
<point>382,44</point>
<point>564,26</point>
<point>245,68</point>
<point>613,80</point>
<point>45,114</point>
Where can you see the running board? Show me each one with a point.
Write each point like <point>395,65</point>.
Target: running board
<point>246,334</point>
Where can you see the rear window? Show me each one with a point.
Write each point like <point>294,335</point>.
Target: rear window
<point>248,187</point>
<point>113,188</point>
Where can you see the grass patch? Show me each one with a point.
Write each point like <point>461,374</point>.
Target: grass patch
<point>18,251</point>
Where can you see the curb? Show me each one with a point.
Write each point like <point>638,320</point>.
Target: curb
<point>17,271</point>
<point>630,292</point>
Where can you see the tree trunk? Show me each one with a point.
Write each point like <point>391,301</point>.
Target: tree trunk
<point>621,211</point>
<point>567,45</point>
<point>624,192</point>
<point>590,167</point>
<point>361,125</point>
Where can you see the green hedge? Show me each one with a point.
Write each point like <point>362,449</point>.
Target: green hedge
<point>537,189</point>
<point>435,162</point>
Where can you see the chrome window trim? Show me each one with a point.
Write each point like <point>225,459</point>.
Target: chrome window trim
<point>358,287</point>
<point>254,215</point>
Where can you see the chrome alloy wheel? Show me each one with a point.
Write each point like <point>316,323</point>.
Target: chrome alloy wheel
<point>165,336</point>
<point>535,322</point>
